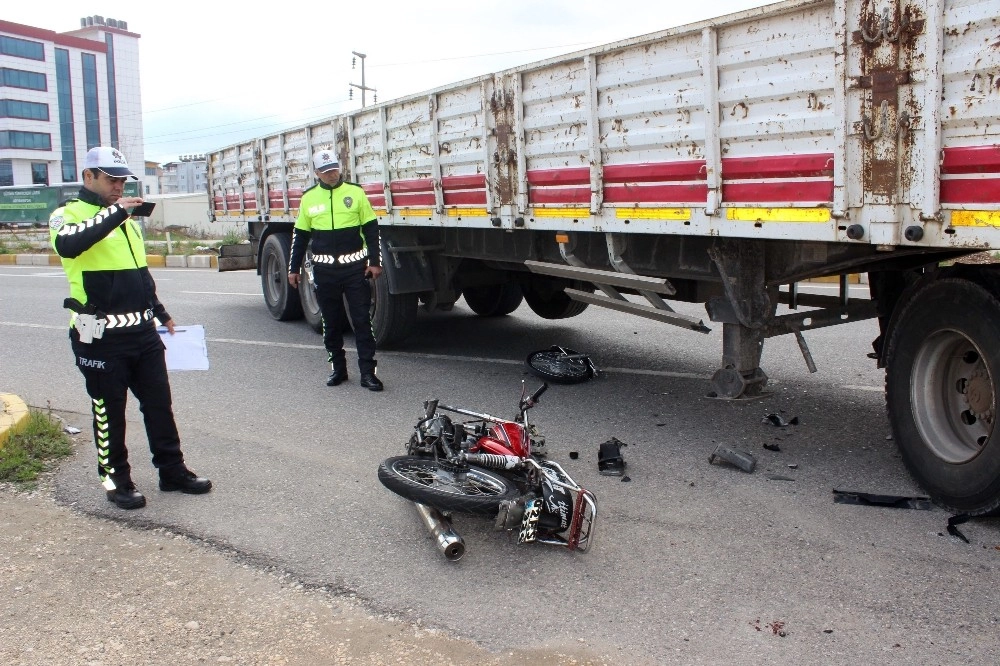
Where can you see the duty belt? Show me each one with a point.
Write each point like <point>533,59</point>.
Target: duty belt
<point>342,259</point>
<point>127,319</point>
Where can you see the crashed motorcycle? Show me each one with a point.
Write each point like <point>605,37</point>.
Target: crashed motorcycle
<point>460,460</point>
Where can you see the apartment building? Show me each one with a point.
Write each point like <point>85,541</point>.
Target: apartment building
<point>64,93</point>
<point>186,175</point>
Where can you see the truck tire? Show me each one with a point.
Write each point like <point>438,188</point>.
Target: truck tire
<point>282,301</point>
<point>494,300</point>
<point>554,303</point>
<point>307,296</point>
<point>942,367</point>
<point>393,315</point>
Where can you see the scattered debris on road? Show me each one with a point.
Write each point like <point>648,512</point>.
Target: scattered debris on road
<point>889,501</point>
<point>742,459</point>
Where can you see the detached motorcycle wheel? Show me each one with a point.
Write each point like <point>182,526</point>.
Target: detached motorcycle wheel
<point>421,480</point>
<point>558,365</point>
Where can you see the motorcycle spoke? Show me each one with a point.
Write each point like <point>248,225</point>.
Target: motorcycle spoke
<point>471,485</point>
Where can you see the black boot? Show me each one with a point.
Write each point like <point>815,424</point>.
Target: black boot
<point>125,496</point>
<point>336,378</point>
<point>184,480</point>
<point>371,382</point>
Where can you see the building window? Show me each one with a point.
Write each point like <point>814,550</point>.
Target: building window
<point>13,108</point>
<point>112,89</point>
<point>91,110</point>
<point>21,48</point>
<point>64,98</point>
<point>26,140</point>
<point>39,173</point>
<point>16,78</point>
<point>7,172</point>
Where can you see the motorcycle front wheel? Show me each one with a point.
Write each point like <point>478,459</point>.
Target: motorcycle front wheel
<point>560,365</point>
<point>418,479</point>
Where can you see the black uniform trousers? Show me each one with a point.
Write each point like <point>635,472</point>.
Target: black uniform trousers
<point>112,366</point>
<point>333,285</point>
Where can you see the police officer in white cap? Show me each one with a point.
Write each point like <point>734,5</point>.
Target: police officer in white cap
<point>337,217</point>
<point>113,327</point>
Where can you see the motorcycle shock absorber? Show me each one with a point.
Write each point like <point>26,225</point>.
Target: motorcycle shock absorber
<point>493,461</point>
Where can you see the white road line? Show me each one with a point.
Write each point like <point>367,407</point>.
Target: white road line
<point>445,357</point>
<point>223,293</point>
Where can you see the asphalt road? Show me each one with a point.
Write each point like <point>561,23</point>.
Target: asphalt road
<point>694,563</point>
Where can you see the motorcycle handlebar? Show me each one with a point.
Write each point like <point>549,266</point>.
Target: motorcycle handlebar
<point>538,394</point>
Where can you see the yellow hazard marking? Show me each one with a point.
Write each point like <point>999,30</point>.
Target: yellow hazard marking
<point>975,218</point>
<point>562,212</point>
<point>654,213</point>
<point>810,215</point>
<point>415,212</point>
<point>467,212</point>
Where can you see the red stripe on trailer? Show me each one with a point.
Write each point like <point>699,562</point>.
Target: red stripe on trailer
<point>971,159</point>
<point>466,182</point>
<point>413,199</point>
<point>677,193</point>
<point>373,189</point>
<point>559,195</point>
<point>777,192</point>
<point>970,190</point>
<point>465,197</point>
<point>574,176</point>
<point>654,173</point>
<point>778,166</point>
<point>377,200</point>
<point>417,185</point>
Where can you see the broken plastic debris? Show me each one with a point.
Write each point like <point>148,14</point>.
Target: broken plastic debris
<point>70,430</point>
<point>775,419</point>
<point>958,520</point>
<point>609,458</point>
<point>742,459</point>
<point>772,447</point>
<point>873,499</point>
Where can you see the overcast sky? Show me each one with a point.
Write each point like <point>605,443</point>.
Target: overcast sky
<point>214,74</point>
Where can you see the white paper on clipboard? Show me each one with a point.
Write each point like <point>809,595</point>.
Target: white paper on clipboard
<point>186,348</point>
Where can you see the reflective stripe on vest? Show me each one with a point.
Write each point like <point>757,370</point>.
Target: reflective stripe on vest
<point>342,259</point>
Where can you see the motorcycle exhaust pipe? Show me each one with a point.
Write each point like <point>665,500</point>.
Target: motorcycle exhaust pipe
<point>445,538</point>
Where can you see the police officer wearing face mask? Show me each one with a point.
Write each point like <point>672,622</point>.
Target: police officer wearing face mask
<point>112,328</point>
<point>342,225</point>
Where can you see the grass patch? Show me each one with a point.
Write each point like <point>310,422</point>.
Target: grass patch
<point>234,237</point>
<point>31,450</point>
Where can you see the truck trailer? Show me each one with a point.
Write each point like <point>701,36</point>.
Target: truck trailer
<point>719,163</point>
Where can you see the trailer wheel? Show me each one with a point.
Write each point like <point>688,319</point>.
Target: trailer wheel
<point>553,303</point>
<point>307,296</point>
<point>943,363</point>
<point>494,300</point>
<point>282,301</point>
<point>393,315</point>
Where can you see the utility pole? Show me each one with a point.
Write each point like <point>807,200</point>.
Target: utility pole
<point>362,87</point>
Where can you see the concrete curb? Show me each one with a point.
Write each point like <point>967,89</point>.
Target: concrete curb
<point>13,416</point>
<point>152,260</point>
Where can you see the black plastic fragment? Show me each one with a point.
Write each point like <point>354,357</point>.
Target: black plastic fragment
<point>742,459</point>
<point>609,458</point>
<point>958,520</point>
<point>775,419</point>
<point>889,501</point>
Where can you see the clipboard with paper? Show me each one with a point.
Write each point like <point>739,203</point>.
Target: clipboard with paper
<point>186,348</point>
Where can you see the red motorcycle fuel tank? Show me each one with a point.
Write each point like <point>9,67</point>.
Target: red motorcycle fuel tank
<point>504,439</point>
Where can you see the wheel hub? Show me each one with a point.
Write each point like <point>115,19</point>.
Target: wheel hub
<point>979,395</point>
